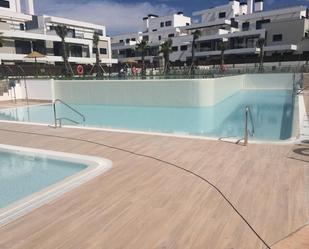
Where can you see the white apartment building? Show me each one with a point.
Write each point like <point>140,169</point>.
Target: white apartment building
<point>239,24</point>
<point>23,32</point>
<point>155,30</point>
<point>242,24</point>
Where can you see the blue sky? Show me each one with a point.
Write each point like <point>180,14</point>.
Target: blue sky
<point>121,16</point>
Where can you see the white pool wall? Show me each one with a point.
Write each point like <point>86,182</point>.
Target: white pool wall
<point>169,92</point>
<point>268,81</point>
<point>175,93</point>
<point>37,89</point>
<point>186,92</point>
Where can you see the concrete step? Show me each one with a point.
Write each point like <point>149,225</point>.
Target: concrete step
<point>3,87</point>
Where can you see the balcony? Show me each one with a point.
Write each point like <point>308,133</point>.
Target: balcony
<point>4,26</point>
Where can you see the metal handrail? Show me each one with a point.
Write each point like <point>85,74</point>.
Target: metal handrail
<point>248,115</point>
<point>68,119</point>
<point>25,82</point>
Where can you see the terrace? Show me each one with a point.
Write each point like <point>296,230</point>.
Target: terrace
<point>157,196</point>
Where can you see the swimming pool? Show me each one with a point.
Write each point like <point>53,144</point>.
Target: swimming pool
<point>29,178</point>
<point>272,116</point>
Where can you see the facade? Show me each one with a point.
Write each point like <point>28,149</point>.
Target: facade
<point>240,25</point>
<point>23,32</point>
<point>155,30</point>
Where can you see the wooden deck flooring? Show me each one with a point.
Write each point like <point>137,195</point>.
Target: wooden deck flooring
<point>145,203</point>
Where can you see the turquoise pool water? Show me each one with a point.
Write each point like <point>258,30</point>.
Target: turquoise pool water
<point>272,116</point>
<point>22,175</point>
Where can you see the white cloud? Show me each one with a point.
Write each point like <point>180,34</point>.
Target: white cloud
<point>117,17</point>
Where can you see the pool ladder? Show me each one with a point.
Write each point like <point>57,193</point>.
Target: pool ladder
<point>58,121</point>
<point>247,132</point>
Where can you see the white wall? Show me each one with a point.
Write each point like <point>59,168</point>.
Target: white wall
<point>39,89</point>
<point>184,93</point>
<point>269,81</point>
<point>175,93</point>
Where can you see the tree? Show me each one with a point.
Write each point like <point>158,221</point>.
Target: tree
<point>261,44</point>
<point>142,47</point>
<point>1,41</point>
<point>222,46</point>
<point>196,34</point>
<point>95,40</point>
<point>166,49</point>
<point>62,31</point>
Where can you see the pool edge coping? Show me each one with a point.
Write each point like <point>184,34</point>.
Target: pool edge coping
<point>95,167</point>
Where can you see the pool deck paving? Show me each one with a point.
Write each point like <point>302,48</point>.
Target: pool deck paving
<point>160,194</point>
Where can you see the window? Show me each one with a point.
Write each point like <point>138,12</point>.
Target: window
<point>99,31</point>
<point>39,46</point>
<point>259,24</point>
<point>175,49</point>
<point>171,35</point>
<point>103,51</point>
<point>205,46</point>
<point>222,15</point>
<point>154,30</point>
<point>4,4</point>
<point>245,26</point>
<point>33,24</point>
<point>159,37</point>
<point>234,23</point>
<point>183,47</point>
<point>76,51</point>
<point>23,47</point>
<point>57,48</point>
<point>21,26</point>
<point>127,40</point>
<point>187,24</point>
<point>71,33</point>
<point>162,24</point>
<point>168,23</point>
<point>120,41</point>
<point>146,37</point>
<point>133,39</point>
<point>277,37</point>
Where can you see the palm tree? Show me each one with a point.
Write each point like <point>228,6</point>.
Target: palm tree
<point>62,31</point>
<point>142,47</point>
<point>261,44</point>
<point>95,40</point>
<point>166,49</point>
<point>196,34</point>
<point>222,46</point>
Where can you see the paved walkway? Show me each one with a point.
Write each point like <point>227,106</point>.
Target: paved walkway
<point>147,203</point>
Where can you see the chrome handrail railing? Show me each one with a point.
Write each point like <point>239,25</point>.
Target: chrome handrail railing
<point>248,115</point>
<point>58,120</point>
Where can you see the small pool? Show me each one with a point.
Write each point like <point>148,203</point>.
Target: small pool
<point>30,178</point>
<point>272,116</point>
